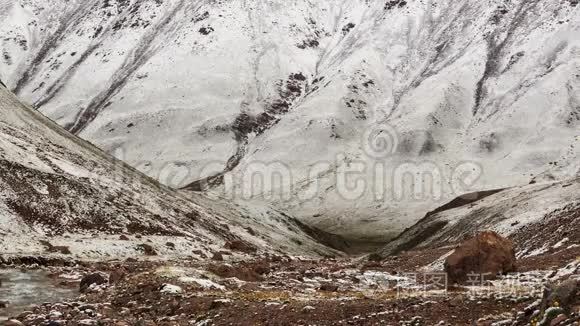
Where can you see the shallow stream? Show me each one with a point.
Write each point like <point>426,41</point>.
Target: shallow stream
<point>22,289</point>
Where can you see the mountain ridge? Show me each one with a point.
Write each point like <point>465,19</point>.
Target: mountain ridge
<point>196,94</point>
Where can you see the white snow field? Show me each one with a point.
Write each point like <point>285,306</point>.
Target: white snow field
<point>477,94</point>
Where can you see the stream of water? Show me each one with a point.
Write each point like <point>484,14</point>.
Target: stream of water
<point>23,289</point>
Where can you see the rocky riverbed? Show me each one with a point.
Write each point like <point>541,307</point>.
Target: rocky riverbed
<point>280,290</point>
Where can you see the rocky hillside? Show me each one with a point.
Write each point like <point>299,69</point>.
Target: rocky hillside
<point>200,94</point>
<point>540,218</point>
<point>61,196</point>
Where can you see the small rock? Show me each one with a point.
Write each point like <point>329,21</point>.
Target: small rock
<point>25,314</point>
<point>219,303</point>
<point>456,302</point>
<point>148,250</point>
<point>171,289</point>
<point>240,246</point>
<point>308,308</point>
<point>117,275</point>
<point>86,307</point>
<point>564,295</point>
<point>55,314</point>
<point>556,321</point>
<point>217,256</point>
<point>327,287</point>
<point>91,279</point>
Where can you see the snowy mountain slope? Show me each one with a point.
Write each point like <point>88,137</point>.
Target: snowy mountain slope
<point>548,209</point>
<point>198,94</point>
<point>58,191</point>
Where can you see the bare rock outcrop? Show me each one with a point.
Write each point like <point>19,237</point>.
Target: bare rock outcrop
<point>487,255</point>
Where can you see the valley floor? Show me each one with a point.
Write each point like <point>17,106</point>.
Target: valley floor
<point>282,290</point>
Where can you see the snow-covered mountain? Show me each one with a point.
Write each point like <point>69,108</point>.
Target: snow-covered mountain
<point>61,195</point>
<point>202,94</point>
<point>537,217</point>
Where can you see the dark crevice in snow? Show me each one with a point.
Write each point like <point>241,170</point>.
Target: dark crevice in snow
<point>495,50</point>
<point>290,93</point>
<point>141,54</point>
<point>68,22</point>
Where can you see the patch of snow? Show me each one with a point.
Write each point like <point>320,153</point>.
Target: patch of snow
<point>536,252</point>
<point>73,275</point>
<point>560,243</point>
<point>171,289</point>
<point>208,284</point>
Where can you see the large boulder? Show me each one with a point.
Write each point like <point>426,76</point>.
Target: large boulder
<point>482,257</point>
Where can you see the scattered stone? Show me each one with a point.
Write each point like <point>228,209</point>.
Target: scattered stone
<point>55,249</point>
<point>563,296</point>
<point>24,314</point>
<point>217,256</point>
<point>117,275</point>
<point>199,253</point>
<point>240,246</point>
<point>308,308</point>
<point>245,273</point>
<point>558,320</point>
<point>219,303</point>
<point>148,250</point>
<point>53,323</point>
<point>55,314</point>
<point>206,30</point>
<point>91,279</point>
<point>171,289</point>
<point>327,287</point>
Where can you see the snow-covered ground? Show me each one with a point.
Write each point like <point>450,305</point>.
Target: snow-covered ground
<point>184,90</point>
<point>61,196</point>
<point>534,216</point>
